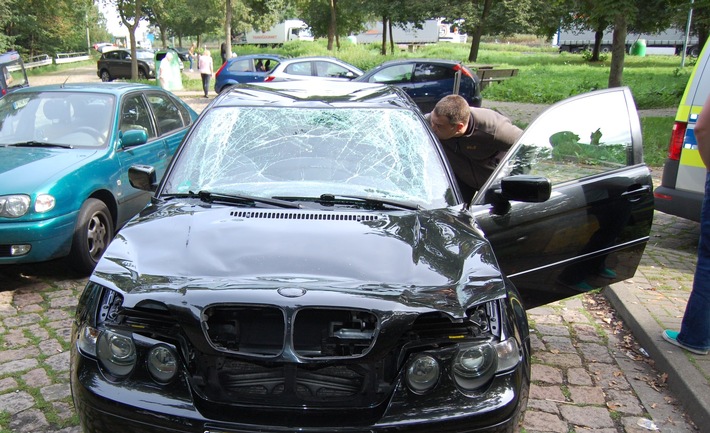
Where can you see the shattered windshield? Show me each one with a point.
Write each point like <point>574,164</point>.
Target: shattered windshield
<point>277,151</point>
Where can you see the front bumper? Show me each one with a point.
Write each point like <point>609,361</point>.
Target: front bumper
<point>49,239</point>
<point>104,406</point>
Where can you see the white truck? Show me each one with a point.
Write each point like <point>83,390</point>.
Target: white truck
<point>432,31</point>
<point>667,42</point>
<point>289,30</point>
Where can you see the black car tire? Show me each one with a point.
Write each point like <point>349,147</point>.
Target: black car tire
<point>142,75</point>
<point>92,234</point>
<point>105,76</point>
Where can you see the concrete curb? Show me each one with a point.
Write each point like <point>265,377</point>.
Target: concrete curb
<point>684,379</point>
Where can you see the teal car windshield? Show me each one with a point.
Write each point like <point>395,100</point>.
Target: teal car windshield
<point>78,120</point>
<point>285,151</point>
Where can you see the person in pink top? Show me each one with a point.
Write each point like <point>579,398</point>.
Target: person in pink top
<point>204,65</point>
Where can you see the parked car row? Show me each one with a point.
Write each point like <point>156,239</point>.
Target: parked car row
<point>424,80</point>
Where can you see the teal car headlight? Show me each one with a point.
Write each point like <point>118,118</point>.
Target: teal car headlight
<point>14,206</point>
<point>44,203</point>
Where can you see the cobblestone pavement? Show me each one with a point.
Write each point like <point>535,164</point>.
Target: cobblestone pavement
<point>589,374</point>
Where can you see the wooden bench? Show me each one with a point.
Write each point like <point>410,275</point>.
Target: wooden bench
<point>489,76</point>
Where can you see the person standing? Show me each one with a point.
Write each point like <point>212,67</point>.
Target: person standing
<point>474,140</point>
<point>191,56</point>
<point>204,65</point>
<point>694,335</point>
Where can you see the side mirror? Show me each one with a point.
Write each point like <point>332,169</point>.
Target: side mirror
<point>524,188</point>
<point>143,177</point>
<point>134,137</point>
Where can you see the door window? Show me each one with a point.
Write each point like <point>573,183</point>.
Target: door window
<point>301,68</point>
<point>564,145</point>
<point>135,115</point>
<point>427,72</point>
<point>166,112</point>
<point>393,74</point>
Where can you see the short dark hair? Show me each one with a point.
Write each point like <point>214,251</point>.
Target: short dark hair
<point>454,108</point>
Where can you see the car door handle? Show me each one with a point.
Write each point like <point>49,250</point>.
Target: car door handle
<point>635,195</point>
<point>162,154</point>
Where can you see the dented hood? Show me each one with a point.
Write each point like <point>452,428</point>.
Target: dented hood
<point>436,258</point>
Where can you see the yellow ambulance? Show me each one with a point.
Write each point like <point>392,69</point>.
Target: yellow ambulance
<point>683,184</point>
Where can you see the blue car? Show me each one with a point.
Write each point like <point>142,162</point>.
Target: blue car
<point>245,69</point>
<point>427,80</point>
<point>64,157</point>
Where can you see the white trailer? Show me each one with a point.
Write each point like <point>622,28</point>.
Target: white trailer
<point>667,42</point>
<point>432,31</point>
<point>289,30</point>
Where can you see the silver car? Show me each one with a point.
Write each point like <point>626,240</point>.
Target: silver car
<point>313,68</point>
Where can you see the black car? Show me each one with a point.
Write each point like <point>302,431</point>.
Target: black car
<point>116,64</point>
<point>307,264</point>
<point>427,80</point>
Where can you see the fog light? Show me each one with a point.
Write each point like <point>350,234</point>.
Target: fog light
<point>117,353</point>
<point>162,363</point>
<point>423,373</point>
<point>19,250</point>
<point>474,366</point>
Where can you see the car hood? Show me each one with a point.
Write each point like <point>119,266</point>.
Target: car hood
<point>433,259</point>
<point>25,170</point>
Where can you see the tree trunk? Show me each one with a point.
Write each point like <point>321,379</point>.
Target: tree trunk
<point>389,24</point>
<point>618,51</point>
<point>598,35</point>
<point>228,30</point>
<point>331,26</point>
<point>476,40</point>
<point>335,23</point>
<point>383,50</point>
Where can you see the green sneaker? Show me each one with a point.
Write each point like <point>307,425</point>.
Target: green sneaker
<point>672,337</point>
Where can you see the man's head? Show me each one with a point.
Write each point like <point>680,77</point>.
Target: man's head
<point>450,117</point>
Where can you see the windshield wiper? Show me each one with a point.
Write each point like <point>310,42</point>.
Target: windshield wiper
<point>356,200</point>
<point>211,197</point>
<point>41,144</point>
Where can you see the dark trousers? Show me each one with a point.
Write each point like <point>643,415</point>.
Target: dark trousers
<point>206,83</point>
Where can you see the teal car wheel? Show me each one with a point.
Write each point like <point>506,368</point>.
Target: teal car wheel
<point>93,233</point>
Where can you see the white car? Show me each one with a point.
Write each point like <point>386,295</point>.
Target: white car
<point>313,68</point>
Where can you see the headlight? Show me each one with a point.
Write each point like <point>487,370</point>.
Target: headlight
<point>474,366</point>
<point>44,203</point>
<point>162,363</point>
<point>117,353</point>
<point>423,373</point>
<point>14,206</point>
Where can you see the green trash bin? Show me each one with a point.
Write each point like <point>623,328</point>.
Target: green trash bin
<point>638,48</point>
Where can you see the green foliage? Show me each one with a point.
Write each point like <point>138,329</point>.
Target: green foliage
<point>656,136</point>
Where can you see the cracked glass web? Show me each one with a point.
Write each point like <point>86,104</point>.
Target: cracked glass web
<point>266,152</point>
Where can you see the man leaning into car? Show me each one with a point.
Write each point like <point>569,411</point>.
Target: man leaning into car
<point>474,139</point>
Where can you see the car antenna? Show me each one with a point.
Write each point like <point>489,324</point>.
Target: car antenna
<point>65,82</point>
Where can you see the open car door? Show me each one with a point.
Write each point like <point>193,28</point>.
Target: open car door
<point>593,229</point>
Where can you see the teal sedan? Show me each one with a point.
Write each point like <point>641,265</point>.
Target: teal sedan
<point>64,157</point>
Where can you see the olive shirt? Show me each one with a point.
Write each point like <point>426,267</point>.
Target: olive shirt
<point>474,155</point>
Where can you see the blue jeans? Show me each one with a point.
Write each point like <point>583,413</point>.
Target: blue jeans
<point>695,328</point>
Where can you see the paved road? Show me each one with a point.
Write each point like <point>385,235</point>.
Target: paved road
<point>589,374</point>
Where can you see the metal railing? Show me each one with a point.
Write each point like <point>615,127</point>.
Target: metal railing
<point>71,57</point>
<point>40,60</point>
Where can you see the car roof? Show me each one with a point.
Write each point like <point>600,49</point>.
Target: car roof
<point>258,56</point>
<point>322,94</point>
<point>115,88</point>
<point>422,60</point>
